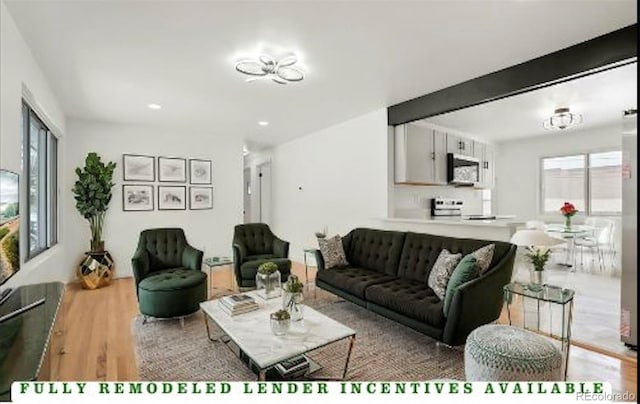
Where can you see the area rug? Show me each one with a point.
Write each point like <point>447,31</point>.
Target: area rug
<point>384,350</point>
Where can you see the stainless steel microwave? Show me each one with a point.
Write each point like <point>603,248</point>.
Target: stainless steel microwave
<point>462,170</point>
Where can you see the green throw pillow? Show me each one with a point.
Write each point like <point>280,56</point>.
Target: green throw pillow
<point>466,270</point>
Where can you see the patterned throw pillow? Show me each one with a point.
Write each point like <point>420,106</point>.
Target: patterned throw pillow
<point>332,252</point>
<point>483,257</point>
<point>441,272</point>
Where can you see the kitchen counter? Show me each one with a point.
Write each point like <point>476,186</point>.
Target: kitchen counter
<point>500,229</point>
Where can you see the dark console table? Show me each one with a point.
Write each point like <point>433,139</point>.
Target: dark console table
<point>24,338</point>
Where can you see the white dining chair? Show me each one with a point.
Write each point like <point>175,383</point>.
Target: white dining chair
<point>597,239</point>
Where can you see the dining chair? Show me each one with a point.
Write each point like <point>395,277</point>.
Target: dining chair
<point>598,238</point>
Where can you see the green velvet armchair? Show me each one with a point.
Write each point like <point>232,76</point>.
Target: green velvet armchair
<point>168,275</point>
<point>253,245</point>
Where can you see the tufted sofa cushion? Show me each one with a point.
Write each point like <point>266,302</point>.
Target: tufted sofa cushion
<point>165,247</point>
<point>257,238</point>
<point>352,280</point>
<point>421,251</point>
<point>378,250</point>
<point>412,299</point>
<point>172,279</point>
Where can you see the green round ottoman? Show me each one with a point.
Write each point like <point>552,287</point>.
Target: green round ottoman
<point>505,353</point>
<point>172,292</point>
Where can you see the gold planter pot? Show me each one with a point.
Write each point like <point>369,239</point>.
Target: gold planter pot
<point>96,270</point>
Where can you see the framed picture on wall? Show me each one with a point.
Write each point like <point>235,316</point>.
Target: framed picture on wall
<point>200,171</point>
<point>200,198</point>
<point>138,168</point>
<point>137,198</point>
<point>172,169</point>
<point>172,197</point>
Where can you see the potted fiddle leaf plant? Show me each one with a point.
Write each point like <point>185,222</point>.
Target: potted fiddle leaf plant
<point>92,192</point>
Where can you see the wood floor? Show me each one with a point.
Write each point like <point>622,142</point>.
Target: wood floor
<point>92,339</point>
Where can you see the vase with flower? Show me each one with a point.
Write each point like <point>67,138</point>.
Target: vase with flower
<point>568,210</point>
<point>538,258</point>
<point>292,298</point>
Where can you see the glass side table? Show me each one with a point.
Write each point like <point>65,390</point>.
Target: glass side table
<point>214,262</point>
<point>535,317</point>
<point>312,252</point>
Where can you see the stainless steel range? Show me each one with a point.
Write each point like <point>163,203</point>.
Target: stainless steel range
<point>446,207</point>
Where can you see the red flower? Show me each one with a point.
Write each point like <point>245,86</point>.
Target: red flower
<point>568,209</point>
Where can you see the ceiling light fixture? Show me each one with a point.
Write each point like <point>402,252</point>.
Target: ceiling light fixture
<point>562,118</point>
<point>263,123</point>
<point>154,106</point>
<point>266,67</point>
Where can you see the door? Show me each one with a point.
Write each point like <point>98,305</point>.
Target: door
<point>264,185</point>
<point>246,212</point>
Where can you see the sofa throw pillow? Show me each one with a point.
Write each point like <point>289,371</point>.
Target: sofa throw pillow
<point>332,252</point>
<point>483,257</point>
<point>466,270</point>
<point>441,272</point>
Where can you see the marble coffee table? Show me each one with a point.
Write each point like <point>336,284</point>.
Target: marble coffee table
<point>251,333</point>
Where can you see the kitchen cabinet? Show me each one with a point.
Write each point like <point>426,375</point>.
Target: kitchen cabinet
<point>489,167</point>
<point>486,156</point>
<point>459,145</point>
<point>420,155</point>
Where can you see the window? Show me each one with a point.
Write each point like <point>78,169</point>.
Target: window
<point>592,182</point>
<point>41,173</point>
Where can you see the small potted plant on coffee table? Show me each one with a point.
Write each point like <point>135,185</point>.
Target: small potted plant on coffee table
<point>268,280</point>
<point>280,321</point>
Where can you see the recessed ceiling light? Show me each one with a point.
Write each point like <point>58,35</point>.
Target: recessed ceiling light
<point>154,106</point>
<point>263,123</point>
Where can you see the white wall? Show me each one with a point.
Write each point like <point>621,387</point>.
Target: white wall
<point>336,177</point>
<point>21,77</point>
<point>209,230</point>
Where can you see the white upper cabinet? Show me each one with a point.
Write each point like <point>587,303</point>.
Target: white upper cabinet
<point>440,157</point>
<point>420,155</point>
<point>486,156</point>
<point>489,167</point>
<point>459,145</point>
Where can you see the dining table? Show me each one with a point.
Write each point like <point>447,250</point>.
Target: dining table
<point>569,234</point>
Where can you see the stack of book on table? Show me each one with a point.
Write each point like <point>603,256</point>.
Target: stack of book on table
<point>293,368</point>
<point>237,304</point>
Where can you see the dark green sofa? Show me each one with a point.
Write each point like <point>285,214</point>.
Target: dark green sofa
<point>168,275</point>
<point>388,272</point>
<point>253,245</point>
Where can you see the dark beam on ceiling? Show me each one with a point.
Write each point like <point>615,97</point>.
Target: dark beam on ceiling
<point>597,54</point>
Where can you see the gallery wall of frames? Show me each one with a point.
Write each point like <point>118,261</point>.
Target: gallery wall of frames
<point>168,193</point>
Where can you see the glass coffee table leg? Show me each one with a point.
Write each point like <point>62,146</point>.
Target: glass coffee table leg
<point>262,375</point>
